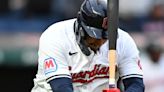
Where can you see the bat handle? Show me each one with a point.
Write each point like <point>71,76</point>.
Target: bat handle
<point>111,90</point>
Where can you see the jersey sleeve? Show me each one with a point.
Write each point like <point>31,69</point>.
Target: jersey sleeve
<point>129,61</point>
<point>52,57</point>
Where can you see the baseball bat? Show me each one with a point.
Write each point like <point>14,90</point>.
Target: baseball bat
<point>112,14</point>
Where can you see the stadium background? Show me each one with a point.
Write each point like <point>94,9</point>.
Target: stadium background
<point>23,21</point>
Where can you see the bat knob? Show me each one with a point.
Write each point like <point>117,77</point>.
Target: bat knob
<point>111,90</point>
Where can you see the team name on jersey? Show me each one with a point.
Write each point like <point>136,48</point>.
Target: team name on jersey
<point>99,71</point>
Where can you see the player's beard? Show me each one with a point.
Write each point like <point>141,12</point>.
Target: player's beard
<point>94,44</point>
<point>94,47</point>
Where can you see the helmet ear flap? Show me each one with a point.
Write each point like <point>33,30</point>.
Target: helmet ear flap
<point>80,35</point>
<point>80,27</point>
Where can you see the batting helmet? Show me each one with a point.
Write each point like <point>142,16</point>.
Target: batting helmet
<point>92,17</point>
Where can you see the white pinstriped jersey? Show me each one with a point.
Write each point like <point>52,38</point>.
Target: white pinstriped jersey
<point>60,56</point>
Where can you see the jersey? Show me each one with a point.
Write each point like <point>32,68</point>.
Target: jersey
<point>61,56</point>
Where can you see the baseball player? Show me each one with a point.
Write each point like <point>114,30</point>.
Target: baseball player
<point>73,54</point>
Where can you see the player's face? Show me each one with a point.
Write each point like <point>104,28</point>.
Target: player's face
<point>93,43</point>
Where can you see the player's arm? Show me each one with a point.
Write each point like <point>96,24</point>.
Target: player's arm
<point>61,85</point>
<point>133,84</point>
<point>129,66</point>
<point>54,63</point>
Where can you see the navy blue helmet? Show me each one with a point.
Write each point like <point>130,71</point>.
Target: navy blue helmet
<point>92,17</point>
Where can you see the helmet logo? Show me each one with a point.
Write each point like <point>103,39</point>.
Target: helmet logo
<point>105,23</point>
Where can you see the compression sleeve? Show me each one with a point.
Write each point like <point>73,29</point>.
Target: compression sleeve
<point>61,85</point>
<point>133,84</point>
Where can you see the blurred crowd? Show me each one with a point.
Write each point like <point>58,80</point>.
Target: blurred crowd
<point>136,15</point>
<point>34,15</point>
<point>24,20</point>
<point>153,67</point>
